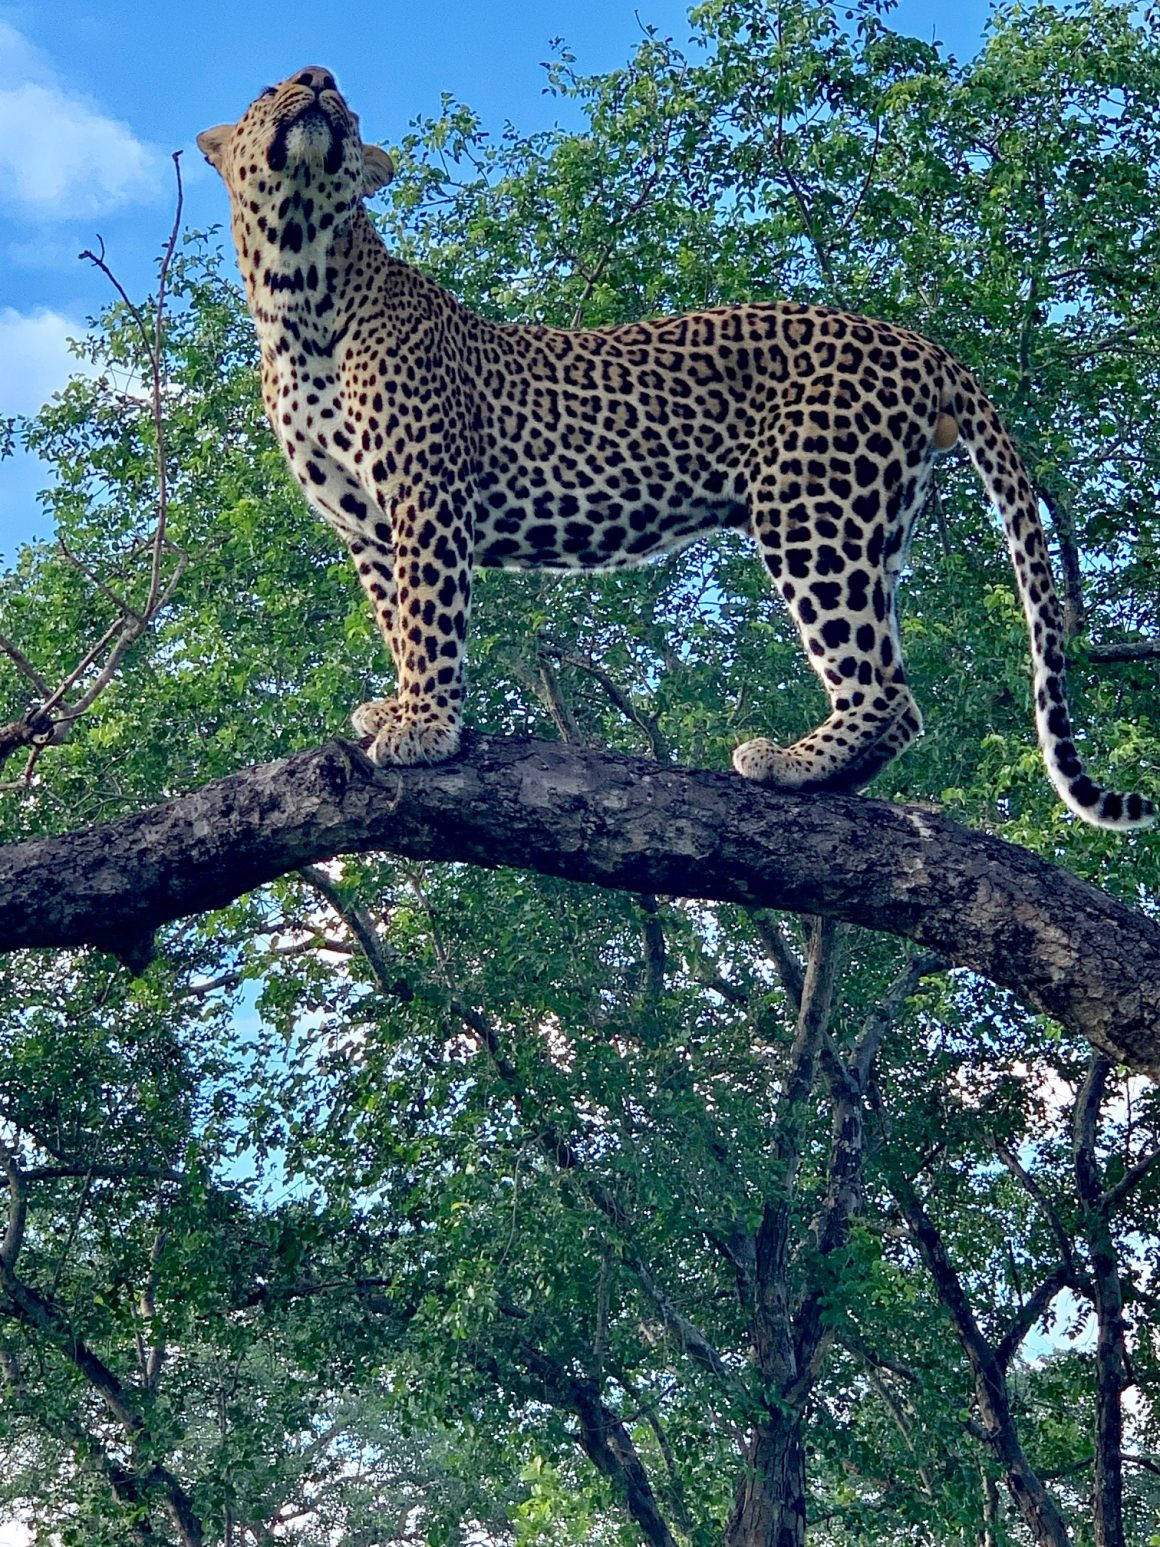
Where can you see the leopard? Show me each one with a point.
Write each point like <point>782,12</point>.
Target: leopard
<point>434,441</point>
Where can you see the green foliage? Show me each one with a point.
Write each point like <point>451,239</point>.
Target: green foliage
<point>379,1216</point>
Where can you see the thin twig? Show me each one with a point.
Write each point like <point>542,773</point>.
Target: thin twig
<point>158,369</point>
<point>24,666</point>
<point>118,602</point>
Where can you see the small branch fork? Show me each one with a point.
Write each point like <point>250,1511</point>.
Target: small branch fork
<point>992,1395</point>
<point>48,721</point>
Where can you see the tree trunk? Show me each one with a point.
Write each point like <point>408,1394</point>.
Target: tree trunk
<point>769,1508</point>
<point>989,1536</point>
<point>1112,1378</point>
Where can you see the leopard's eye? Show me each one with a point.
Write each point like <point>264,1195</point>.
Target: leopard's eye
<point>267,92</point>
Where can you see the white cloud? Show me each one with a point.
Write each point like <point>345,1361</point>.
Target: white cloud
<point>60,156</point>
<point>22,59</point>
<point>35,360</point>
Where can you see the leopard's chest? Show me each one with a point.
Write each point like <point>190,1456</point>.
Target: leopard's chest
<point>307,405</point>
<point>300,392</point>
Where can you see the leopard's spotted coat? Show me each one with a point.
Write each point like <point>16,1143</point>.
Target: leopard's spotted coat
<point>434,440</point>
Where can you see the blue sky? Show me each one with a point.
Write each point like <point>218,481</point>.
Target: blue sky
<point>96,96</point>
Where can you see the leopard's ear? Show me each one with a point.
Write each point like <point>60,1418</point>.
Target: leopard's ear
<point>379,169</point>
<point>212,144</point>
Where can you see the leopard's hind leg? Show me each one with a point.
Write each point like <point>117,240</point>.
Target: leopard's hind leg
<point>834,535</point>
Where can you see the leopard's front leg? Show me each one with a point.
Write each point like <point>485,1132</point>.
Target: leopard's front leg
<point>341,502</point>
<point>432,553</point>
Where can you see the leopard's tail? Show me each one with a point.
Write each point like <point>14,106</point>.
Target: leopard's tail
<point>999,465</point>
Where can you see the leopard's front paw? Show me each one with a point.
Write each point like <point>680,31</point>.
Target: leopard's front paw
<point>402,738</point>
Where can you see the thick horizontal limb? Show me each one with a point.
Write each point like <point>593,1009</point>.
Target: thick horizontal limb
<point>1060,944</point>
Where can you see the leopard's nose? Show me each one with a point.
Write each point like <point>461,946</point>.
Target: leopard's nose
<point>318,79</point>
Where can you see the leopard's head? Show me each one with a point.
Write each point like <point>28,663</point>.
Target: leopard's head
<point>296,168</point>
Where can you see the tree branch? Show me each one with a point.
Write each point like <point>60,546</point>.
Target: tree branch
<point>1063,1239</point>
<point>603,1437</point>
<point>1135,1174</point>
<point>780,1343</point>
<point>690,1337</point>
<point>1062,945</point>
<point>771,933</point>
<point>1141,650</point>
<point>1033,1308</point>
<point>69,1431</point>
<point>554,1144</point>
<point>1034,1503</point>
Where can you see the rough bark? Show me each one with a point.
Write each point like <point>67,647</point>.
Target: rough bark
<point>1062,945</point>
<point>1140,650</point>
<point>769,1509</point>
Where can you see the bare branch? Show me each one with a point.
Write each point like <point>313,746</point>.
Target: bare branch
<point>131,631</point>
<point>549,689</point>
<point>658,747</point>
<point>361,925</point>
<point>905,1428</point>
<point>885,1014</point>
<point>79,670</point>
<point>1107,1294</point>
<point>1062,1236</point>
<point>41,1314</point>
<point>154,1354</point>
<point>1031,1498</point>
<point>158,385</point>
<point>17,1213</point>
<point>690,1337</point>
<point>96,582</point>
<point>24,667</point>
<point>675,1489</point>
<point>1132,1177</point>
<point>48,722</point>
<point>603,1436</point>
<point>771,932</point>
<point>83,1168</point>
<point>872,1357</point>
<point>88,1451</point>
<point>1033,1309</point>
<point>1085,1123</point>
